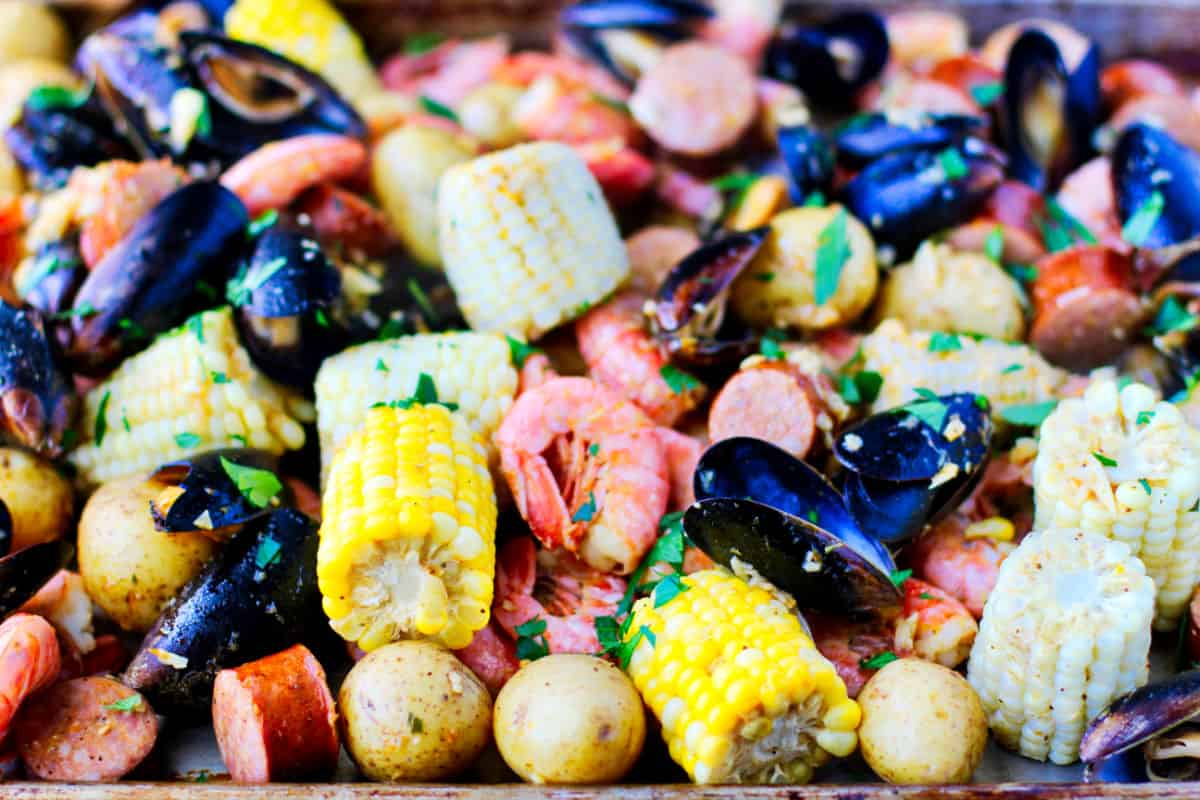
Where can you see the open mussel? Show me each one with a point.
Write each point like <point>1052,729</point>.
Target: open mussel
<point>587,25</point>
<point>26,571</point>
<point>202,494</point>
<point>868,137</point>
<point>689,308</point>
<point>36,400</point>
<point>148,283</point>
<point>907,196</point>
<point>1160,721</point>
<point>283,299</point>
<point>833,61</point>
<point>1052,106</point>
<point>54,277</point>
<point>807,154</point>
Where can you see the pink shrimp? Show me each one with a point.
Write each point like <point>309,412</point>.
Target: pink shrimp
<point>492,656</point>
<point>587,470</point>
<point>29,660</point>
<point>848,645</point>
<point>114,196</point>
<point>557,588</point>
<point>536,370</point>
<point>965,569</point>
<point>524,68</point>
<point>933,625</point>
<point>553,108</point>
<point>623,355</point>
<point>1087,193</point>
<point>682,453</point>
<point>278,172</point>
<point>64,603</point>
<point>448,72</point>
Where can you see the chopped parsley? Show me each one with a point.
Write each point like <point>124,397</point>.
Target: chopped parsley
<point>832,253</point>
<point>415,723</point>
<point>1011,368</point>
<point>900,576</point>
<point>260,223</point>
<point>993,245</point>
<point>101,424</point>
<point>678,380</point>
<point>815,200</point>
<point>531,640</point>
<point>250,280</point>
<point>391,329</point>
<point>953,164</point>
<point>668,589</point>
<point>861,387</point>
<point>941,342</point>
<point>267,552</point>
<point>1022,273</point>
<point>1103,459</point>
<point>1138,227</point>
<point>519,351</point>
<point>258,486</point>
<point>380,366</point>
<point>219,377</point>
<point>929,409</point>
<point>131,703</point>
<point>420,43</point>
<point>1028,414</point>
<point>586,511</point>
<point>1144,417</point>
<point>431,106</point>
<point>422,299</point>
<point>424,394</point>
<point>770,349</point>
<point>593,449</point>
<point>195,324</point>
<point>1172,316</point>
<point>734,181</point>
<point>321,317</point>
<point>668,549</point>
<point>611,102</point>
<point>187,439</point>
<point>132,328</point>
<point>764,277</point>
<point>879,660</point>
<point>1060,229</point>
<point>238,438</point>
<point>46,98</point>
<point>986,93</point>
<point>926,596</point>
<point>125,421</point>
<point>1145,485</point>
<point>85,309</point>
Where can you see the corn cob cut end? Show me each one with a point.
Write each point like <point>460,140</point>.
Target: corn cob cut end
<point>408,534</point>
<point>741,691</point>
<point>1065,630</point>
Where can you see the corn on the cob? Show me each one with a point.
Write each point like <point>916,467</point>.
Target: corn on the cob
<point>1007,374</point>
<point>194,389</point>
<point>1121,464</point>
<point>472,370</point>
<point>1065,630</point>
<point>740,689</point>
<point>527,240</point>
<point>408,533</point>
<point>310,32</point>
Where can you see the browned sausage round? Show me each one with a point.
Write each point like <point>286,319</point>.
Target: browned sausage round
<point>275,719</point>
<point>653,251</point>
<point>86,729</point>
<point>767,403</point>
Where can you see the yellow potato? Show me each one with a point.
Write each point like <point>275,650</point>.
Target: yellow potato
<point>570,719</point>
<point>411,711</point>
<point>129,568</point>
<point>19,78</point>
<point>943,289</point>
<point>32,30</point>
<point>405,168</point>
<point>921,723</point>
<point>778,288</point>
<point>39,499</point>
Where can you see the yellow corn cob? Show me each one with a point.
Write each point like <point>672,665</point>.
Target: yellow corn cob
<point>527,240</point>
<point>472,370</point>
<point>740,689</point>
<point>1122,464</point>
<point>194,389</point>
<point>408,544</point>
<point>1065,630</point>
<point>310,32</point>
<point>1007,374</point>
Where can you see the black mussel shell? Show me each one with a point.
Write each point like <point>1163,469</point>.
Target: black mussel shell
<point>147,283</point>
<point>26,571</point>
<point>56,275</point>
<point>283,299</point>
<point>807,562</point>
<point>633,13</point>
<point>906,197</point>
<point>744,467</point>
<point>50,139</point>
<point>1128,766</point>
<point>6,529</point>
<point>888,512</point>
<point>37,402</point>
<point>1037,83</point>
<point>872,136</point>
<point>405,298</point>
<point>808,156</point>
<point>1140,715</point>
<point>831,62</point>
<point>208,499</point>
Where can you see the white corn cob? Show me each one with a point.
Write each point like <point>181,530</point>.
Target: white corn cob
<point>1146,496</point>
<point>1065,630</point>
<point>527,239</point>
<point>1007,374</point>
<point>193,389</point>
<point>472,370</point>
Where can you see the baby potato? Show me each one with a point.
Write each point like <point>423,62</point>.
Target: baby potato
<point>19,78</point>
<point>405,169</point>
<point>779,287</point>
<point>411,711</point>
<point>32,30</point>
<point>943,289</point>
<point>570,719</point>
<point>39,499</point>
<point>921,723</point>
<point>129,568</point>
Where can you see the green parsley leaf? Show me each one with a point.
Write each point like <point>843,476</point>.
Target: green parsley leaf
<point>45,98</point>
<point>771,349</point>
<point>132,329</point>
<point>1011,368</point>
<point>625,652</point>
<point>993,245</point>
<point>391,329</point>
<point>987,93</point>
<point>1022,273</point>
<point>419,43</point>
<point>1143,220</point>
<point>926,596</point>
<point>1172,316</point>
<point>101,423</point>
<point>668,589</point>
<point>321,317</point>
<point>668,549</point>
<point>195,324</point>
<point>1028,414</point>
<point>879,660</point>
<point>258,486</point>
<point>248,281</point>
<point>942,342</point>
<point>734,181</point>
<point>832,253</point>
<point>611,102</point>
<point>201,776</point>
<point>1144,417</point>
<point>1103,459</point>
<point>899,577</point>
<point>815,200</point>
<point>237,438</point>
<point>422,299</point>
<point>764,277</point>
<point>187,439</point>
<point>415,723</point>
<point>261,222</point>
<point>131,703</point>
<point>431,106</point>
<point>1145,485</point>
<point>953,164</point>
<point>1066,230</point>
<point>930,409</point>
<point>678,380</point>
<point>84,310</point>
<point>861,387</point>
<point>586,511</point>
<point>219,377</point>
<point>531,640</point>
<point>380,366</point>
<point>608,633</point>
<point>594,449</point>
<point>267,552</point>
<point>519,351</point>
<point>125,421</point>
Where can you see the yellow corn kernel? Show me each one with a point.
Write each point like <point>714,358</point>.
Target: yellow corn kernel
<point>996,528</point>
<point>766,197</point>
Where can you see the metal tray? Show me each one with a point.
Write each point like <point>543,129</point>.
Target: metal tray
<point>1168,30</point>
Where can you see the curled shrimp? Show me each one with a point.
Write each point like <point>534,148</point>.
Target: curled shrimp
<point>933,625</point>
<point>448,72</point>
<point>587,471</point>
<point>966,569</point>
<point>621,354</point>
<point>64,603</point>
<point>682,453</point>
<point>555,587</point>
<point>29,660</point>
<point>114,196</point>
<point>275,174</point>
<point>536,370</point>
<point>849,646</point>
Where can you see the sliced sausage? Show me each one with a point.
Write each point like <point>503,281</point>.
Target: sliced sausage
<point>1084,307</point>
<point>1016,205</point>
<point>1124,80</point>
<point>86,729</point>
<point>492,656</point>
<point>696,100</point>
<point>654,251</point>
<point>275,719</point>
<point>767,403</point>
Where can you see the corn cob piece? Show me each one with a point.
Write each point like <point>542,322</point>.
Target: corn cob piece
<point>408,545</point>
<point>472,370</point>
<point>310,32</point>
<point>1065,630</point>
<point>1122,464</point>
<point>740,689</point>
<point>1007,374</point>
<point>194,389</point>
<point>527,240</point>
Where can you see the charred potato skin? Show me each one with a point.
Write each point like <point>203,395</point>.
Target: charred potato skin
<point>40,500</point>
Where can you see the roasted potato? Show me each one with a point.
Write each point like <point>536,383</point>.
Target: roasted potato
<point>921,723</point>
<point>411,711</point>
<point>780,286</point>
<point>570,719</point>
<point>129,568</point>
<point>39,499</point>
<point>943,289</point>
<point>32,30</point>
